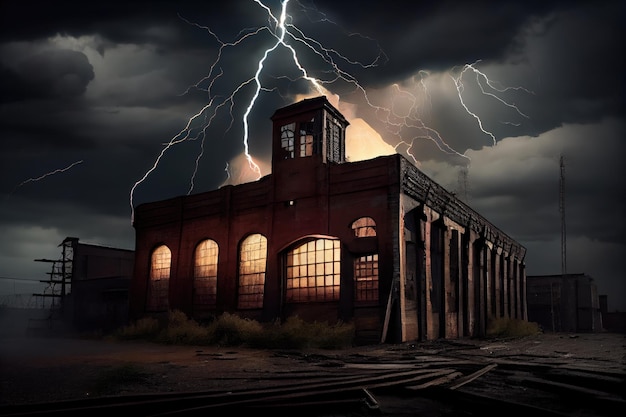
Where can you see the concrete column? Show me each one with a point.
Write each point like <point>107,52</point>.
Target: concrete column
<point>524,303</point>
<point>516,281</point>
<point>456,282</point>
<point>428,275</point>
<point>497,291</point>
<point>452,273</point>
<point>432,318</point>
<point>472,282</point>
<point>446,285</point>
<point>402,277</point>
<point>505,281</point>
<point>488,278</point>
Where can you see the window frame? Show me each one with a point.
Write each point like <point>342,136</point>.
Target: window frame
<point>205,274</point>
<point>251,283</point>
<point>158,283</point>
<point>312,271</point>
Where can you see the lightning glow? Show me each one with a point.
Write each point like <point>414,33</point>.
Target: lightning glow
<point>279,31</point>
<point>402,113</point>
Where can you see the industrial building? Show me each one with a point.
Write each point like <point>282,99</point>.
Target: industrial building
<point>564,303</point>
<point>376,243</point>
<point>87,288</point>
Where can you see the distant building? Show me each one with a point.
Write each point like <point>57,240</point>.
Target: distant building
<point>89,286</point>
<point>376,243</point>
<point>612,321</point>
<point>564,303</point>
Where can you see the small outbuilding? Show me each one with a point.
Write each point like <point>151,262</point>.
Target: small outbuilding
<point>564,303</point>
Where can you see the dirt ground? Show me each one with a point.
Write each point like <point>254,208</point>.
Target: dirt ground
<point>43,370</point>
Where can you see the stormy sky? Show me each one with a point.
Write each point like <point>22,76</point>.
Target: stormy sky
<point>107,105</point>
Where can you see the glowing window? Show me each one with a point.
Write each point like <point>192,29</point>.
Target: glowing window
<point>313,271</point>
<point>366,278</point>
<point>287,134</point>
<point>363,227</point>
<point>306,138</point>
<point>158,288</point>
<point>252,263</point>
<point>205,274</point>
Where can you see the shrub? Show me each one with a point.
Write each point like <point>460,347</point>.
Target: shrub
<point>232,330</point>
<point>146,328</point>
<point>511,328</point>
<point>296,333</point>
<point>180,330</point>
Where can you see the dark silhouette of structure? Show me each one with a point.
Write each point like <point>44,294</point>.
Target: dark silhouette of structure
<point>376,243</point>
<point>89,288</point>
<point>564,303</point>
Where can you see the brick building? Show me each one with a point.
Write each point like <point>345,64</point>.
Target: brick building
<point>376,243</point>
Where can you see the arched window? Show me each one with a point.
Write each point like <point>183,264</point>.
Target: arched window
<point>364,227</point>
<point>366,278</point>
<point>158,288</point>
<point>313,271</point>
<point>252,264</point>
<point>205,274</point>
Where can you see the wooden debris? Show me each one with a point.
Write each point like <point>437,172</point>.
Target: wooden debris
<point>471,377</point>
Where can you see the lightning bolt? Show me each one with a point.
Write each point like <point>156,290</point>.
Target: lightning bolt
<point>41,177</point>
<point>458,82</point>
<point>280,32</point>
<point>406,126</point>
<point>413,120</point>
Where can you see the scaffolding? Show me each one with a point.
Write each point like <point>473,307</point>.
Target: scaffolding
<point>59,281</point>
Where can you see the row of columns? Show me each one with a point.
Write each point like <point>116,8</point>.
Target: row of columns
<point>467,280</point>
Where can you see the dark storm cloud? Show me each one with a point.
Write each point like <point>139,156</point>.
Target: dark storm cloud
<point>53,73</point>
<point>438,35</point>
<point>135,21</point>
<point>103,83</point>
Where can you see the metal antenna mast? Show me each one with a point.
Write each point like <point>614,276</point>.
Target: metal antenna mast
<point>562,211</point>
<point>463,185</point>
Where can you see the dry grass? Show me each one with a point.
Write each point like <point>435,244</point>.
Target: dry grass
<point>232,330</point>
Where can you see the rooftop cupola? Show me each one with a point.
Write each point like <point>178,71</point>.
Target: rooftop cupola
<point>311,128</point>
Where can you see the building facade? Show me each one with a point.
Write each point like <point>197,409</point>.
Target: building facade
<point>564,303</point>
<point>375,243</point>
<point>87,289</point>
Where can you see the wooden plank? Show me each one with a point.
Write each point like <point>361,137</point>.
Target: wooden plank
<point>473,376</point>
<point>437,381</point>
<point>387,315</point>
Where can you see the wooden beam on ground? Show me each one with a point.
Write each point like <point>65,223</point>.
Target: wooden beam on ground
<point>473,376</point>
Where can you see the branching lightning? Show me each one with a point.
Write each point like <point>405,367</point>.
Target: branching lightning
<point>404,126</point>
<point>280,31</point>
<point>480,75</point>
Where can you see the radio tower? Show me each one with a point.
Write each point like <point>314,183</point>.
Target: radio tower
<point>463,186</point>
<point>562,211</point>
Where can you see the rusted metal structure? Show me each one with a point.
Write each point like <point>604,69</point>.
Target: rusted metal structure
<point>376,243</point>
